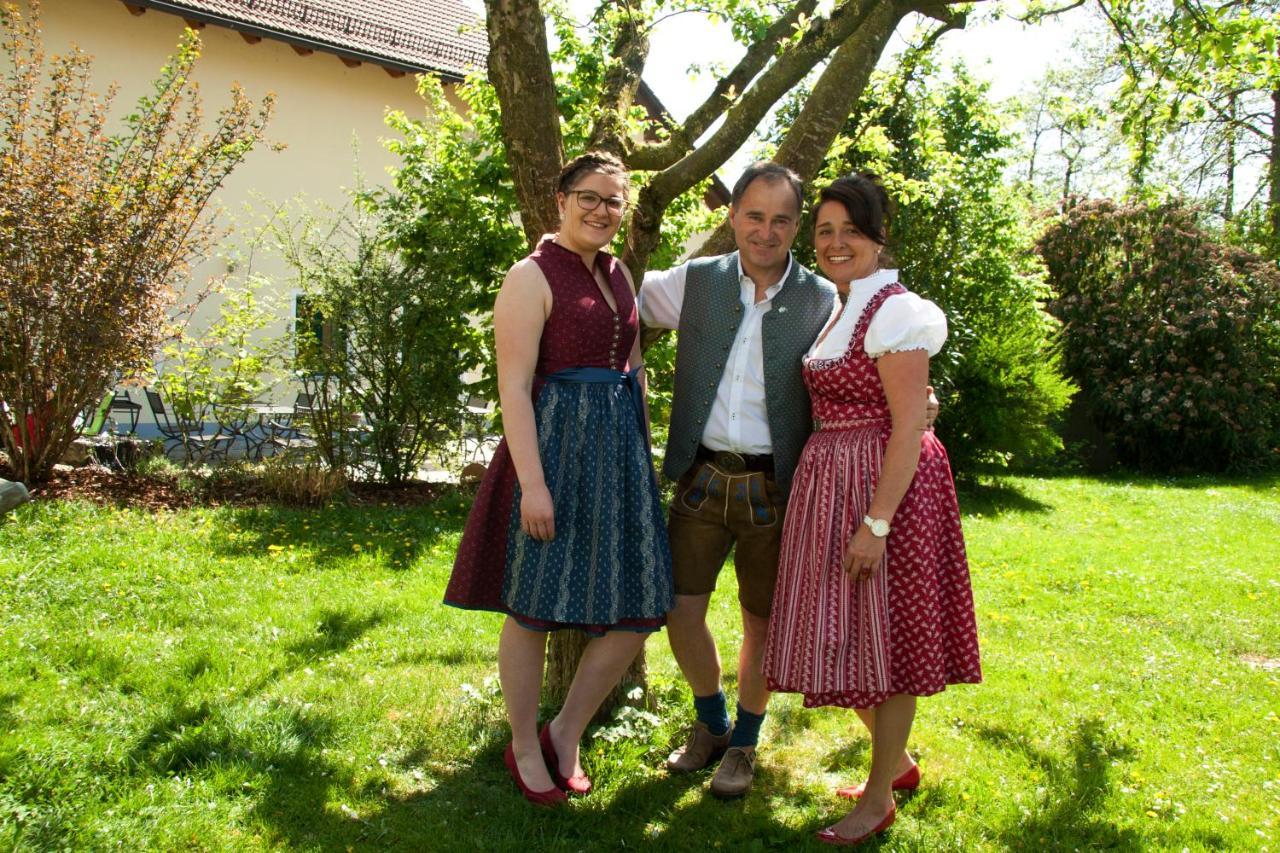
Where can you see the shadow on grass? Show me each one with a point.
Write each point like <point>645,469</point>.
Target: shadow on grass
<point>1071,813</point>
<point>335,632</point>
<point>457,656</point>
<point>195,731</point>
<point>469,802</point>
<point>1263,482</point>
<point>330,535</point>
<point>997,498</point>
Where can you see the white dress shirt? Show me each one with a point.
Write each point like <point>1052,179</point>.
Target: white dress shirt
<point>905,321</point>
<point>739,420</point>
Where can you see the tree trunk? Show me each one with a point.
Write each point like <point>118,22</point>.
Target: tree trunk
<point>1229,203</point>
<point>1138,171</point>
<point>520,71</point>
<point>1273,175</point>
<point>564,652</point>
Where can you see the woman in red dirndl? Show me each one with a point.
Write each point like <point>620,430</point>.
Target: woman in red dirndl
<point>873,606</point>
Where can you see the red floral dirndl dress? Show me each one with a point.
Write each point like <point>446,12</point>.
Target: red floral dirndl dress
<point>910,627</point>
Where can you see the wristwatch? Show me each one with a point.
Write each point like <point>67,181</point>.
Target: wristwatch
<point>879,527</point>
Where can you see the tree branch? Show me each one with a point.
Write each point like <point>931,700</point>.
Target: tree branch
<point>853,16</point>
<point>1224,118</point>
<point>828,106</point>
<point>662,155</point>
<point>1048,13</point>
<point>627,58</point>
<point>704,10</point>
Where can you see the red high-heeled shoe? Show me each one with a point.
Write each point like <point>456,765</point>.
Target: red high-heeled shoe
<point>579,784</point>
<point>830,836</point>
<point>550,797</point>
<point>908,781</point>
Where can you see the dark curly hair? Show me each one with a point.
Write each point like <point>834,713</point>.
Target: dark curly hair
<point>864,197</point>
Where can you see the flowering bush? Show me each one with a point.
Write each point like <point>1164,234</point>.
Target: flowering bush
<point>1173,336</point>
<point>97,231</point>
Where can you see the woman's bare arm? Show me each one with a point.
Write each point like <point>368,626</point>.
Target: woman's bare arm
<point>905,376</point>
<point>519,315</point>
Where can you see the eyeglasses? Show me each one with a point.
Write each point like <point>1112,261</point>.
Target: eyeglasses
<point>588,200</point>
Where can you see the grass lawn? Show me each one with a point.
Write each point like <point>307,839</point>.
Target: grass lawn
<point>267,678</point>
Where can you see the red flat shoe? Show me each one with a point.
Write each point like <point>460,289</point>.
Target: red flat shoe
<point>550,797</point>
<point>579,784</point>
<point>830,836</point>
<point>908,781</point>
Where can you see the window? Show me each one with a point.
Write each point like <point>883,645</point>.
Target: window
<point>310,324</point>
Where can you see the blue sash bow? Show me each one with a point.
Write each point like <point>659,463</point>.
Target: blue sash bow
<point>603,375</point>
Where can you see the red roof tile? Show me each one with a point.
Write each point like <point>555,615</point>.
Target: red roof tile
<point>419,35</point>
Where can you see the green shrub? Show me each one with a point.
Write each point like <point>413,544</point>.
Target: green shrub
<point>218,373</point>
<point>452,208</point>
<point>387,383</point>
<point>1173,335</point>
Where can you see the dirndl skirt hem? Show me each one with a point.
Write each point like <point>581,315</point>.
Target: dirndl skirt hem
<point>868,700</point>
<point>638,626</point>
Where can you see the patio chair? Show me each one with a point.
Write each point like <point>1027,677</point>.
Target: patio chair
<point>122,404</point>
<point>287,431</point>
<point>241,421</point>
<point>473,430</point>
<point>196,442</point>
<point>94,420</point>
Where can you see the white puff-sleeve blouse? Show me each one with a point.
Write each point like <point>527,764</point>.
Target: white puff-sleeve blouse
<point>904,322</point>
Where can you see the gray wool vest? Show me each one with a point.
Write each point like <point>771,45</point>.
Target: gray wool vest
<point>709,320</point>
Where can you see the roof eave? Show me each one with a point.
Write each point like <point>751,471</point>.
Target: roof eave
<point>295,40</point>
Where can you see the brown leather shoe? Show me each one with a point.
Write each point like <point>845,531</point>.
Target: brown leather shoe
<point>733,776</point>
<point>700,750</point>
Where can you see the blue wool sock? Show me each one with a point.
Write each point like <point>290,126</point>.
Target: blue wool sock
<point>746,729</point>
<point>713,712</point>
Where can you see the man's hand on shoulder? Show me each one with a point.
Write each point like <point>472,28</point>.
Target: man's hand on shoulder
<point>931,407</point>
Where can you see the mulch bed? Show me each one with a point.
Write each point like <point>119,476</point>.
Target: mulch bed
<point>410,494</point>
<point>100,485</point>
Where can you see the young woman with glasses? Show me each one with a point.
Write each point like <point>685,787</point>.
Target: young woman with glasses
<point>566,530</point>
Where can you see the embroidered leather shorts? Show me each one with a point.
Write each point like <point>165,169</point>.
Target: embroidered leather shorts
<point>713,511</point>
